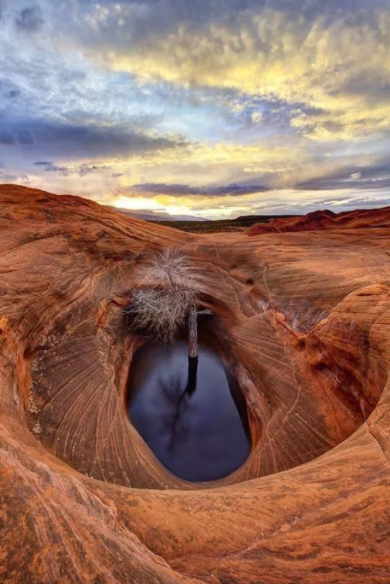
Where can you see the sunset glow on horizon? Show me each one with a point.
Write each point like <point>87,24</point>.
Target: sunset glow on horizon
<point>209,109</point>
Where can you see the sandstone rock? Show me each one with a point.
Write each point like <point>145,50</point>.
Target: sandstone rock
<point>301,320</point>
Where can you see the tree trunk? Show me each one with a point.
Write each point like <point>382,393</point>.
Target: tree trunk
<point>193,334</point>
<point>192,351</point>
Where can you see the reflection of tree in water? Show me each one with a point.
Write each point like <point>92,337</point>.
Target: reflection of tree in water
<point>178,398</point>
<point>199,431</point>
<point>192,375</point>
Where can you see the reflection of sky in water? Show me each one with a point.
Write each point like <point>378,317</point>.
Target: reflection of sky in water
<point>199,437</point>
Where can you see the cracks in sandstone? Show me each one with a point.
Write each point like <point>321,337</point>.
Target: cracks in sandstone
<point>377,441</point>
<point>265,280</point>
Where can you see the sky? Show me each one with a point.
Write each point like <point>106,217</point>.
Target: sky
<point>201,108</point>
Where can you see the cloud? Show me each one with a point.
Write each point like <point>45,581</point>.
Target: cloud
<point>13,93</point>
<point>257,117</point>
<point>79,140</point>
<point>80,170</point>
<point>15,136</point>
<point>8,89</point>
<point>375,176</point>
<point>148,215</point>
<point>176,190</point>
<point>50,167</point>
<point>335,63</point>
<point>30,19</point>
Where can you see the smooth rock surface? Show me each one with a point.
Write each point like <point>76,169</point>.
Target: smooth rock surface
<point>301,320</point>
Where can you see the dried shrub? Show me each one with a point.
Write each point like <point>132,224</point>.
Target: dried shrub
<point>170,268</point>
<point>168,291</point>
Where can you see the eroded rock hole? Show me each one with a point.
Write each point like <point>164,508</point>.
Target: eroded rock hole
<point>201,435</point>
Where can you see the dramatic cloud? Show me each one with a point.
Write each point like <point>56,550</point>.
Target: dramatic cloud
<point>85,141</point>
<point>206,108</point>
<point>336,63</point>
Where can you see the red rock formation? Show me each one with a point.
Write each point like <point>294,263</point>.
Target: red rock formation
<point>323,220</point>
<point>301,320</point>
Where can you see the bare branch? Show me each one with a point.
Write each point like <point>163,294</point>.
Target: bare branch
<point>170,268</point>
<point>169,288</point>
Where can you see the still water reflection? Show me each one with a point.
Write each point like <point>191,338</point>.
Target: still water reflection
<point>198,437</point>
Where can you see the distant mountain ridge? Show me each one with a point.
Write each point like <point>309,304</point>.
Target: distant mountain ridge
<point>325,220</point>
<point>146,215</point>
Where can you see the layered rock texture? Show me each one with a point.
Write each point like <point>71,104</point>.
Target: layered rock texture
<point>301,319</point>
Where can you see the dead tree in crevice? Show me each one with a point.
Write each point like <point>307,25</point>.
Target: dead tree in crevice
<point>167,290</point>
<point>165,300</point>
<point>193,348</point>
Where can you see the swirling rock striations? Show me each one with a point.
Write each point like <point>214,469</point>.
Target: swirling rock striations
<point>301,319</point>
